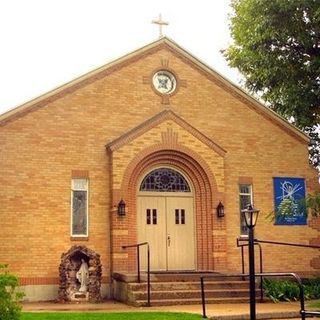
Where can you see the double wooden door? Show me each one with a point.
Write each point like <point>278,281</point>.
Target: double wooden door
<point>167,224</point>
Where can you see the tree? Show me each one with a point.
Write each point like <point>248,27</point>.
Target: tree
<point>277,49</point>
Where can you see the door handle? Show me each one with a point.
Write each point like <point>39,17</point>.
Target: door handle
<point>169,240</point>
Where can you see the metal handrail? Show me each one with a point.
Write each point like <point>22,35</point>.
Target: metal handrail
<point>260,258</point>
<point>202,278</point>
<point>303,311</point>
<point>257,242</point>
<point>287,244</point>
<point>138,245</point>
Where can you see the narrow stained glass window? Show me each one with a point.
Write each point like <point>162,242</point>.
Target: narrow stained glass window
<point>79,215</point>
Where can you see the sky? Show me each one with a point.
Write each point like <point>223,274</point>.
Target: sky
<point>47,43</point>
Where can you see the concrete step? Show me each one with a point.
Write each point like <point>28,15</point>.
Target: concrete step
<point>209,285</point>
<point>181,288</point>
<point>190,294</point>
<point>188,277</point>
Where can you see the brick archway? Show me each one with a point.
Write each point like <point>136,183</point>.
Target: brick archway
<point>206,199</point>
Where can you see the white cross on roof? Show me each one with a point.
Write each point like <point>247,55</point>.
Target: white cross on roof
<point>161,23</point>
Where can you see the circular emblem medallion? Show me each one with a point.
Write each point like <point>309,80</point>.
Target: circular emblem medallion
<point>164,82</point>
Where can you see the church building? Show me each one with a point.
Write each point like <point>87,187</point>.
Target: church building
<point>153,147</point>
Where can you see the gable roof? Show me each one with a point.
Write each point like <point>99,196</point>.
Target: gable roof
<point>154,121</point>
<point>117,64</point>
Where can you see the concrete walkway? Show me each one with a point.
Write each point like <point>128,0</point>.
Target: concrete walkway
<point>284,310</point>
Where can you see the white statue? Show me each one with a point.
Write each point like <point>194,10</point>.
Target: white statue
<point>83,276</point>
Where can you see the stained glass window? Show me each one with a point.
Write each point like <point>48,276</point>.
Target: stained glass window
<point>164,180</point>
<point>79,207</point>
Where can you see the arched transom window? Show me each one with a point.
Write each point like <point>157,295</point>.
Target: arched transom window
<point>164,180</point>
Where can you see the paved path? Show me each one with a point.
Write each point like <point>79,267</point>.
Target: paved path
<point>284,310</point>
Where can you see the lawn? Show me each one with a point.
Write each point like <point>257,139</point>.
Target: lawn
<point>110,316</point>
<point>314,304</point>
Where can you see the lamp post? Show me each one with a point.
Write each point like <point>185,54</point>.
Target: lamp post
<point>250,217</point>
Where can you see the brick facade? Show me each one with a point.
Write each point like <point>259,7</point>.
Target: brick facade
<point>111,127</point>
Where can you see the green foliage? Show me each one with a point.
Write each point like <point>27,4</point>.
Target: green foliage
<point>312,289</point>
<point>287,290</point>
<point>313,203</point>
<point>110,316</point>
<point>10,308</point>
<point>277,49</point>
<point>281,290</point>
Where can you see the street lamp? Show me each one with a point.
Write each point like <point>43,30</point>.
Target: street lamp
<point>250,217</point>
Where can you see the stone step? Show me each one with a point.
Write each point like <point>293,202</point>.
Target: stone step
<point>173,302</point>
<point>188,277</point>
<point>190,294</point>
<point>175,277</point>
<point>181,288</point>
<point>209,285</point>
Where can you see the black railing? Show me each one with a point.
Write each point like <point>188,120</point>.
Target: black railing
<point>260,260</point>
<point>303,311</point>
<point>287,244</point>
<point>257,243</point>
<point>138,245</point>
<point>215,276</point>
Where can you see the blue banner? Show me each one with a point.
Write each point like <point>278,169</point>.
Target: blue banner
<point>289,195</point>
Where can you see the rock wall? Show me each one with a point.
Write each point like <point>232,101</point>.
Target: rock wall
<point>69,285</point>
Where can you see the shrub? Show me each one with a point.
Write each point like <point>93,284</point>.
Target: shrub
<point>287,290</point>
<point>10,308</point>
<point>312,288</point>
<point>281,290</point>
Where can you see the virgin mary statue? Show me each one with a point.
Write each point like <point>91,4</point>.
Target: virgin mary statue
<point>82,276</point>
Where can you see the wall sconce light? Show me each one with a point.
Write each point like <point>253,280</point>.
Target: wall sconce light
<point>121,208</point>
<point>220,210</point>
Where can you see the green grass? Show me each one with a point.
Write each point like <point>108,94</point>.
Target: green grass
<point>109,316</point>
<point>314,304</point>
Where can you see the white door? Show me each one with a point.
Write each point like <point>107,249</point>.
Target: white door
<point>180,233</point>
<point>167,224</point>
<point>152,229</point>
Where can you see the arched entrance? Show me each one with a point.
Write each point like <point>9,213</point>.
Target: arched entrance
<point>166,220</point>
<point>208,231</point>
